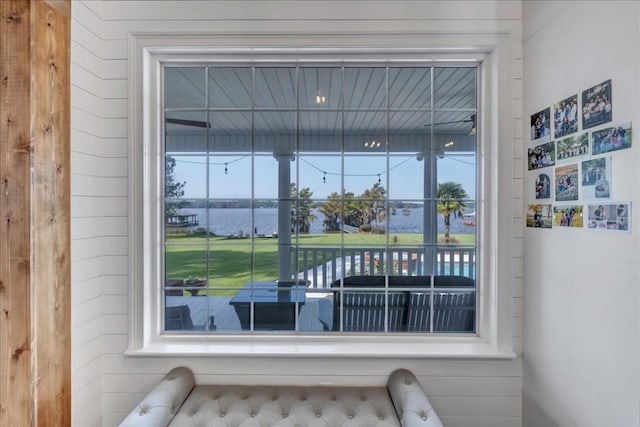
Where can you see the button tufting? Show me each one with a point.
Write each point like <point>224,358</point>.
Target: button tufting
<point>285,415</point>
<point>253,414</point>
<point>222,414</point>
<point>407,382</point>
<point>350,417</point>
<point>424,418</point>
<point>334,398</point>
<point>318,414</point>
<point>381,417</point>
<point>302,399</point>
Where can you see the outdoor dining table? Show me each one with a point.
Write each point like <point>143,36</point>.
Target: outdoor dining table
<point>275,304</point>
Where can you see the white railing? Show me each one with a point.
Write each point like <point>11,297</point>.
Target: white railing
<point>320,266</point>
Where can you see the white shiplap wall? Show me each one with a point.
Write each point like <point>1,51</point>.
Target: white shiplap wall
<point>107,385</point>
<point>87,229</point>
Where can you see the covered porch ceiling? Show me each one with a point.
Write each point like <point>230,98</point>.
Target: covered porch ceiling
<point>320,109</point>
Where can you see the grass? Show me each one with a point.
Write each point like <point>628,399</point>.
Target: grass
<point>230,260</point>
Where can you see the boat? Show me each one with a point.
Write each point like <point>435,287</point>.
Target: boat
<point>469,219</point>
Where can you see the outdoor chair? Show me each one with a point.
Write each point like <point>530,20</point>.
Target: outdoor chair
<point>363,306</point>
<point>454,306</point>
<point>178,318</point>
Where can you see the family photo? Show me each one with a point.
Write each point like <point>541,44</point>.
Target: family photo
<point>610,217</point>
<point>542,155</point>
<point>596,175</point>
<point>567,183</point>
<point>573,146</point>
<point>540,124</point>
<point>539,216</point>
<point>565,116</point>
<point>543,186</point>
<point>567,216</point>
<point>596,105</point>
<point>611,139</point>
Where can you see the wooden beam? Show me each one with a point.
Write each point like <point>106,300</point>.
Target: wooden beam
<point>35,341</point>
<point>15,193</point>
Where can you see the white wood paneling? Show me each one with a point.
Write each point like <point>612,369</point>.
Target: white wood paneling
<point>473,421</point>
<point>314,10</point>
<point>86,232</point>
<point>114,147</point>
<point>85,416</point>
<point>467,393</point>
<point>115,284</point>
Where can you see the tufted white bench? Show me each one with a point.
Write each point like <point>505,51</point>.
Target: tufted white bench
<point>177,401</point>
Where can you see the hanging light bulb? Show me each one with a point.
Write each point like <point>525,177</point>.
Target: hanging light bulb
<point>379,180</point>
<point>226,170</point>
<point>324,178</point>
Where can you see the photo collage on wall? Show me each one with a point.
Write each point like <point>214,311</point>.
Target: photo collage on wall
<point>571,159</point>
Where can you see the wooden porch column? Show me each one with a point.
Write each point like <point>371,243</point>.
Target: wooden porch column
<point>35,278</point>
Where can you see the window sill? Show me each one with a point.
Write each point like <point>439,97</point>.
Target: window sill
<point>448,347</point>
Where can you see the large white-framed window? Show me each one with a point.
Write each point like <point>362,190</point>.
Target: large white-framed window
<point>169,130</point>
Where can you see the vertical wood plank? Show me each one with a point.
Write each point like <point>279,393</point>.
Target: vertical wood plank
<point>15,193</point>
<point>50,214</point>
<point>35,345</point>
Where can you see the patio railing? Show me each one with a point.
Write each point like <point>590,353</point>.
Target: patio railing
<point>320,266</point>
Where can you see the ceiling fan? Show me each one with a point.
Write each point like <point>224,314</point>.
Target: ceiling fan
<point>203,124</point>
<point>184,122</point>
<point>471,120</point>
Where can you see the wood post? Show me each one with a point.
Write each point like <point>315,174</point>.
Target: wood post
<point>35,278</point>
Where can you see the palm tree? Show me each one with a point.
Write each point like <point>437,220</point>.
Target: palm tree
<point>451,197</point>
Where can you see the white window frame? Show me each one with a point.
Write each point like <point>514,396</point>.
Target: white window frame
<point>495,206</point>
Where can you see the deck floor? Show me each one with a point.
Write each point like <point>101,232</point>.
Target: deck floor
<point>226,319</point>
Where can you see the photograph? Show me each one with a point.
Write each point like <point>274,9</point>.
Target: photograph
<point>572,146</point>
<point>596,178</point>
<point>539,216</point>
<point>609,217</point>
<point>543,186</point>
<point>540,124</point>
<point>567,216</point>
<point>565,116</point>
<point>596,105</point>
<point>566,183</point>
<point>542,155</point>
<point>611,139</point>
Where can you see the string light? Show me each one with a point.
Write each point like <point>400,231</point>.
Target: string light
<point>226,170</point>
<point>325,173</point>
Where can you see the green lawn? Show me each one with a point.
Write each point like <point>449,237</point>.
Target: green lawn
<point>230,259</point>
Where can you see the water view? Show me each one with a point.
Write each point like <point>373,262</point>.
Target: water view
<point>234,221</point>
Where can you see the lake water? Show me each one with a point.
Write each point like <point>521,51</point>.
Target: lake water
<point>230,221</point>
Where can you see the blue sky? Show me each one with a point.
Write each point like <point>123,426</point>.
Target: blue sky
<point>405,180</point>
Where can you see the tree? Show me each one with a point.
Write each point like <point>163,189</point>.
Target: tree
<point>372,205</point>
<point>302,217</point>
<point>173,190</point>
<point>332,211</point>
<point>451,197</point>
